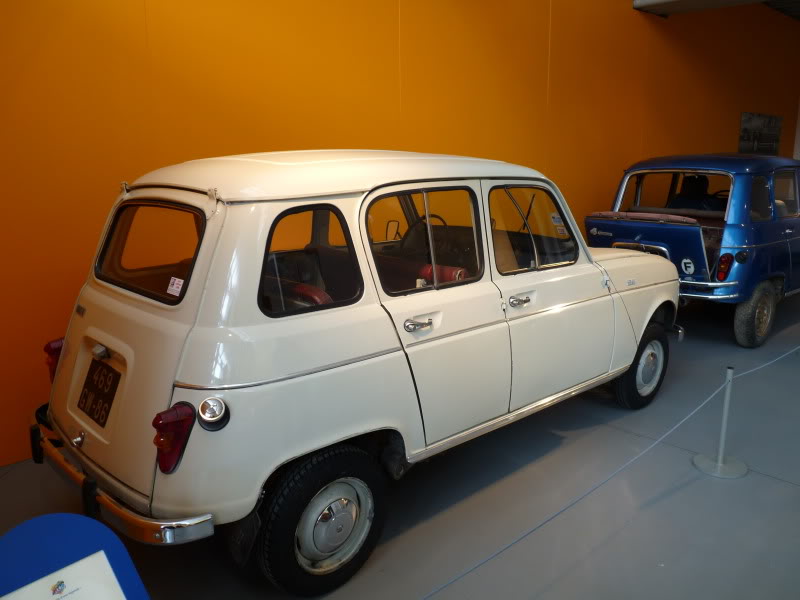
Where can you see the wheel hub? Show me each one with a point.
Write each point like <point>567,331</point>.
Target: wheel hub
<point>334,525</point>
<point>648,371</point>
<point>650,366</point>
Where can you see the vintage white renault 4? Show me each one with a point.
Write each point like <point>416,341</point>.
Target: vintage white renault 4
<point>264,338</point>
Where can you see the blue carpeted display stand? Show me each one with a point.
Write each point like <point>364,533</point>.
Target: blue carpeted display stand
<point>46,544</point>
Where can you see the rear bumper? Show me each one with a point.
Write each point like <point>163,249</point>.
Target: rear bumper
<point>46,446</point>
<point>710,290</point>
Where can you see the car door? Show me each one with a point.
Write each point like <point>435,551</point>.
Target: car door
<point>559,308</point>
<point>787,209</point>
<point>428,261</point>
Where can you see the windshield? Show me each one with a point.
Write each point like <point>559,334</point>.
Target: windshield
<point>676,190</point>
<point>151,248</point>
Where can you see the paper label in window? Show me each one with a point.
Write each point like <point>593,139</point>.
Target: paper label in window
<point>556,218</point>
<point>561,230</point>
<point>90,578</point>
<point>175,286</point>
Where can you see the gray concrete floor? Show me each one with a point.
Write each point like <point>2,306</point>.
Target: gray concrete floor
<point>467,524</point>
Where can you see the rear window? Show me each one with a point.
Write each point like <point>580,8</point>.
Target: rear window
<point>676,190</point>
<point>151,248</point>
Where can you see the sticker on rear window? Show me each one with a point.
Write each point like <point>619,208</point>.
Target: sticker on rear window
<point>556,218</point>
<point>175,286</point>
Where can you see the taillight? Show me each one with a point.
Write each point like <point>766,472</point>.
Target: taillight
<point>724,266</point>
<point>53,351</point>
<point>173,427</point>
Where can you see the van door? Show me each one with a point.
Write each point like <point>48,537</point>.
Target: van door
<point>126,336</point>
<point>429,260</point>
<point>787,209</point>
<point>560,313</point>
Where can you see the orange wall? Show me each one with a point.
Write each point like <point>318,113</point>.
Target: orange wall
<point>96,92</point>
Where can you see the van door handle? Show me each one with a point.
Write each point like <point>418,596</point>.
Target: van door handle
<point>516,301</point>
<point>789,230</point>
<point>411,325</point>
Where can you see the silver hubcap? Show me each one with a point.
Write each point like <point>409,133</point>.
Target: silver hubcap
<point>334,525</point>
<point>648,371</point>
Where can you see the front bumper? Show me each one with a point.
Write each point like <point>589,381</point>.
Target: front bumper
<point>45,446</point>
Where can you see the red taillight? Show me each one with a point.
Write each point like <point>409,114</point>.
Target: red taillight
<point>173,427</point>
<point>724,266</point>
<point>53,351</point>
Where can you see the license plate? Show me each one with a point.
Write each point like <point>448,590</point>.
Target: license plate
<point>98,391</point>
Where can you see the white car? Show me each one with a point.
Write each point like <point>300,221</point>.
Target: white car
<point>293,327</point>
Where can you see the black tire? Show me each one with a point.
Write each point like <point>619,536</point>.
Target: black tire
<point>638,386</point>
<point>294,508</point>
<point>752,322</point>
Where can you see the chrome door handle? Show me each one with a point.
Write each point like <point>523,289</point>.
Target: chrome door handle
<point>790,230</point>
<point>411,326</point>
<point>516,302</point>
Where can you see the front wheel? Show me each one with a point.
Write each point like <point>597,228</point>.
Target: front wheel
<point>753,320</point>
<point>637,387</point>
<point>323,521</point>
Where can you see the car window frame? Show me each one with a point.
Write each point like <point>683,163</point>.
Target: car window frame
<point>314,233</point>
<point>565,223</point>
<point>794,173</point>
<point>476,227</point>
<point>106,245</point>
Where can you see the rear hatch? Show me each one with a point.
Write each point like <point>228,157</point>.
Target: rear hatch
<point>126,337</point>
<point>681,239</point>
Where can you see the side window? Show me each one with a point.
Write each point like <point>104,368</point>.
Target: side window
<point>424,239</point>
<point>759,199</point>
<point>540,220</point>
<point>309,263</point>
<point>512,241</point>
<point>785,194</point>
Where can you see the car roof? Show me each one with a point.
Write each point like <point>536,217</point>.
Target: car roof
<point>732,163</point>
<point>308,173</point>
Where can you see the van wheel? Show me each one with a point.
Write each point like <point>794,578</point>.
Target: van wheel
<point>638,386</point>
<point>753,320</point>
<point>323,521</point>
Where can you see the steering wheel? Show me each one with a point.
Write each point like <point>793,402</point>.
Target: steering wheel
<point>414,234</point>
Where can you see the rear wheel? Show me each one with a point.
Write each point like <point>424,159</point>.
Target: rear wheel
<point>637,387</point>
<point>753,320</point>
<point>323,521</point>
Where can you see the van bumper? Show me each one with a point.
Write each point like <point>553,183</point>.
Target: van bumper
<point>47,446</point>
<point>710,290</point>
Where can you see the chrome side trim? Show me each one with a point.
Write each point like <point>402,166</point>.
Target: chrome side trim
<point>505,419</point>
<point>328,367</point>
<point>709,296</point>
<point>710,284</point>
<point>452,333</point>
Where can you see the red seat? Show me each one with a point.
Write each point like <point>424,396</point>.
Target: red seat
<point>310,293</point>
<point>443,273</point>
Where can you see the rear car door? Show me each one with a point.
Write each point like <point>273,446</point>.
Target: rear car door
<point>428,260</point>
<point>559,310</point>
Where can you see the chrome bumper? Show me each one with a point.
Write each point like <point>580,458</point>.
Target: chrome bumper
<point>45,446</point>
<point>705,289</point>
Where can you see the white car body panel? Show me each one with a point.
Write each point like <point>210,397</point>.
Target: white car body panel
<point>299,383</point>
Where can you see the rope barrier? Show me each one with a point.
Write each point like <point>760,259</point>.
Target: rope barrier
<point>597,486</point>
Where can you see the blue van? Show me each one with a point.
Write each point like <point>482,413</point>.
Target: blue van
<point>729,222</point>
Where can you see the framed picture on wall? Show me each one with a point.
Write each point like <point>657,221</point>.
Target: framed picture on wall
<point>760,134</point>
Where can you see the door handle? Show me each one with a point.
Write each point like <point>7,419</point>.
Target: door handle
<point>789,230</point>
<point>410,325</point>
<point>516,302</point>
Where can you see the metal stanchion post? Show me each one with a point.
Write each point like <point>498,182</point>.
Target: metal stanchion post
<point>724,466</point>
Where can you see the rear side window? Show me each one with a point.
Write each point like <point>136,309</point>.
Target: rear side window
<point>309,264</point>
<point>785,194</point>
<point>151,249</point>
<point>759,200</point>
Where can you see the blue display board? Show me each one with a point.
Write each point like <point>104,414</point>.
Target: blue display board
<point>66,555</point>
